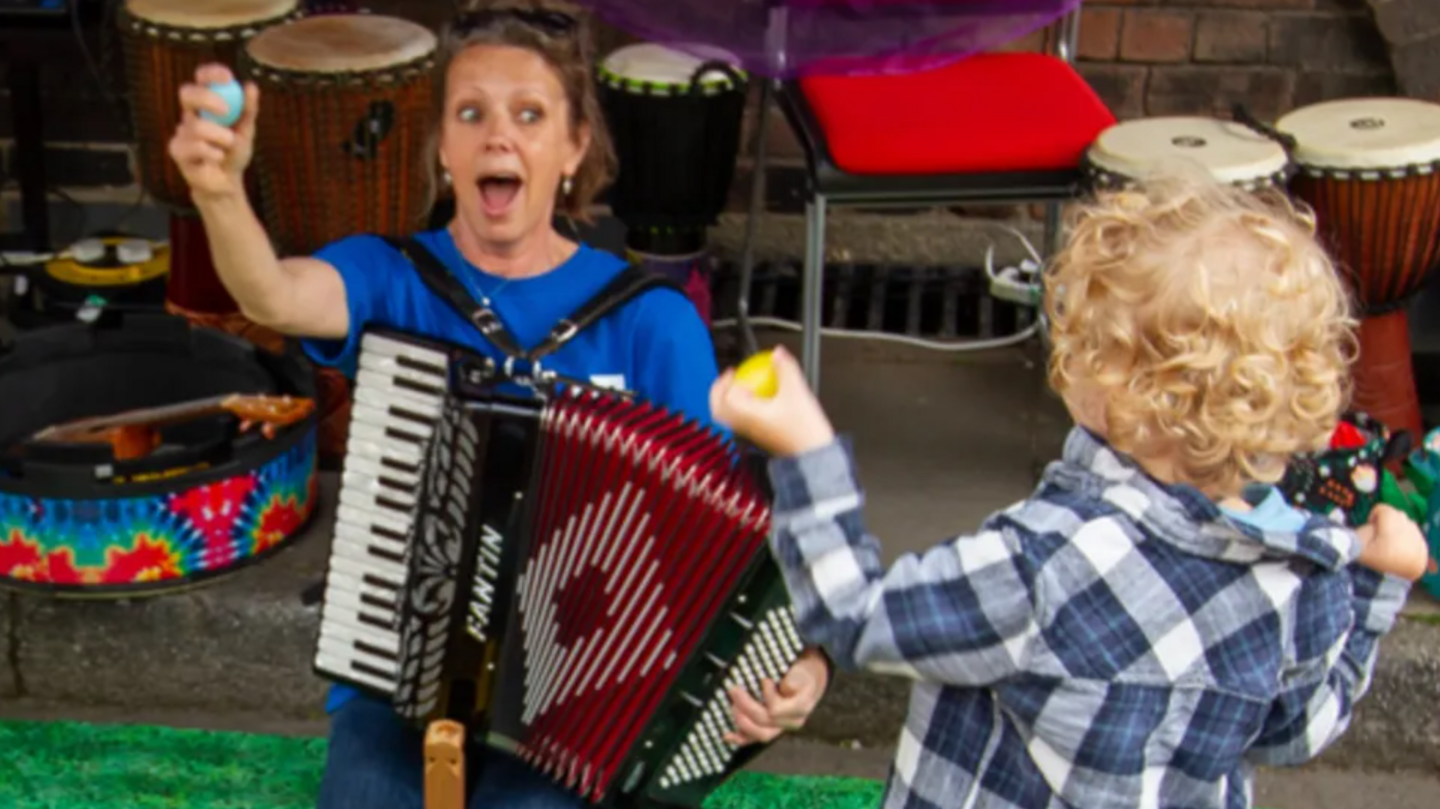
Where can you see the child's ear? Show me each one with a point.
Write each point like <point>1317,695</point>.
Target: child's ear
<point>1086,403</point>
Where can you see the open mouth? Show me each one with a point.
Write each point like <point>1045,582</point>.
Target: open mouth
<point>498,191</point>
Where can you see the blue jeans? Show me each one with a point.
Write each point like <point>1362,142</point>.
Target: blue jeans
<point>376,760</point>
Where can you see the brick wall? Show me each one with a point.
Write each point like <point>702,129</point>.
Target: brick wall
<point>1178,57</point>
<point>1145,57</point>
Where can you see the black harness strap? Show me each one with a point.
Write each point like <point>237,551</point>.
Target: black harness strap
<point>627,285</point>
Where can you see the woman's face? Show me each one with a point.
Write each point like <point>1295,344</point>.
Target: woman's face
<point>507,143</point>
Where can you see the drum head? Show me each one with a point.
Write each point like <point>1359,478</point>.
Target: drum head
<point>648,66</point>
<point>210,13</point>
<point>341,43</point>
<point>1232,152</point>
<point>1365,133</point>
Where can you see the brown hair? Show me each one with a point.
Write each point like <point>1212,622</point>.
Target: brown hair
<point>567,52</point>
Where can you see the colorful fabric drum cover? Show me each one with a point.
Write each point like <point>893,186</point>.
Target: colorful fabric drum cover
<point>76,522</point>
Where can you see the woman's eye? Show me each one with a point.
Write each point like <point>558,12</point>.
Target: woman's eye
<point>468,114</point>
<point>530,116</point>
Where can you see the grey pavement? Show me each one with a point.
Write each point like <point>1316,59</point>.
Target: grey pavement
<point>943,439</point>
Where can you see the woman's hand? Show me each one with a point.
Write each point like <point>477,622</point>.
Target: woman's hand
<point>1393,543</point>
<point>786,707</point>
<point>213,157</point>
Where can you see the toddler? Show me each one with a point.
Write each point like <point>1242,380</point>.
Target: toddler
<point>1154,620</point>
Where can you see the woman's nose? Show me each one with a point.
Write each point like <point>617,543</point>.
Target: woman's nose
<point>499,135</point>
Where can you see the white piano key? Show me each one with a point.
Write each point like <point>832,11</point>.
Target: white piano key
<point>342,645</point>
<point>348,533</point>
<point>383,393</point>
<point>374,444</point>
<point>349,614</point>
<point>361,557</point>
<point>366,518</point>
<point>369,502</point>
<point>341,667</point>
<point>375,465</point>
<point>378,345</point>
<point>380,413</point>
<point>358,481</point>
<point>396,380</point>
<point>350,570</point>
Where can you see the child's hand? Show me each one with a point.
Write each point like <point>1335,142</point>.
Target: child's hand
<point>785,708</point>
<point>789,423</point>
<point>1393,544</point>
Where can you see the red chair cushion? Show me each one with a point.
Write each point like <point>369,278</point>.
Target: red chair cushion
<point>990,112</point>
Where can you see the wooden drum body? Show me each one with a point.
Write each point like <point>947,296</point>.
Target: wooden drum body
<point>164,42</point>
<point>1370,168</point>
<point>340,144</point>
<point>1231,152</point>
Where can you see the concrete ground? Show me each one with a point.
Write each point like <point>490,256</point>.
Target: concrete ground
<point>942,439</point>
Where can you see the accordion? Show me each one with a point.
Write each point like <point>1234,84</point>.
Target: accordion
<point>577,576</point>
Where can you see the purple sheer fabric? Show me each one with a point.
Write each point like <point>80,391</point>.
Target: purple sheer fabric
<point>791,38</point>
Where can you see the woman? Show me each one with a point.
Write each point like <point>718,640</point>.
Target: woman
<point>519,136</point>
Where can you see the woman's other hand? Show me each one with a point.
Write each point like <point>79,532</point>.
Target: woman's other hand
<point>786,707</point>
<point>213,157</point>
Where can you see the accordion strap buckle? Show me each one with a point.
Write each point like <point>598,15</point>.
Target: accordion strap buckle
<point>531,374</point>
<point>564,330</point>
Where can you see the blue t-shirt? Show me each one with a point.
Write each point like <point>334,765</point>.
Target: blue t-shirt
<point>656,345</point>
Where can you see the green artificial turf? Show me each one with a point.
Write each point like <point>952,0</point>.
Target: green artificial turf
<point>71,765</point>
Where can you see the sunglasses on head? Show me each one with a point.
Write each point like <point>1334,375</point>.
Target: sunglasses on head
<point>546,21</point>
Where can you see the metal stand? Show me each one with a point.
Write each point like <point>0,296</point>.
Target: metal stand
<point>29,158</point>
<point>748,343</point>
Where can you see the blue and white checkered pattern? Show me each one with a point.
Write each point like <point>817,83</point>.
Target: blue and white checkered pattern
<point>1109,642</point>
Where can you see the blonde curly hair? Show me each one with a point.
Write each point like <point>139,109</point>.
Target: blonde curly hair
<point>1209,322</point>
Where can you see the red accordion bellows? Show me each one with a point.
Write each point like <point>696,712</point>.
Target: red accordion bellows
<point>645,529</point>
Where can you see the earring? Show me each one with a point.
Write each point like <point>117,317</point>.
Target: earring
<point>445,176</point>
<point>566,185</point>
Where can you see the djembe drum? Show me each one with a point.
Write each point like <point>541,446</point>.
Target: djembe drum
<point>340,144</point>
<point>1370,169</point>
<point>164,41</point>
<point>675,120</point>
<point>1231,152</point>
<point>347,110</point>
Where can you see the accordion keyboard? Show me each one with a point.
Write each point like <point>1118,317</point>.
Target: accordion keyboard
<point>398,393</point>
<point>772,647</point>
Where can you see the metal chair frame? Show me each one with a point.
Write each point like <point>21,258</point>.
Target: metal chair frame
<point>828,186</point>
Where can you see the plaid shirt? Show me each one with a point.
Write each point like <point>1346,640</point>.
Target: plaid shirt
<point>1109,642</point>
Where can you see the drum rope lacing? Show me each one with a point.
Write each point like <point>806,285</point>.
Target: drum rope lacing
<point>693,87</point>
<point>1099,178</point>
